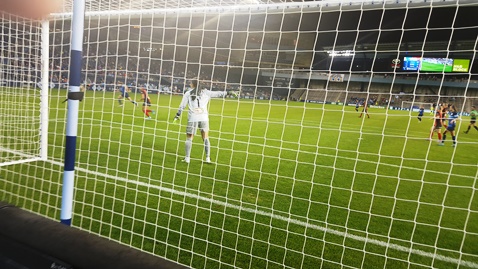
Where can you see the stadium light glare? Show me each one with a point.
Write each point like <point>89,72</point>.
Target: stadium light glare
<point>145,7</point>
<point>341,53</point>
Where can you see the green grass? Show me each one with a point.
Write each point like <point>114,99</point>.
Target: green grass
<point>289,180</point>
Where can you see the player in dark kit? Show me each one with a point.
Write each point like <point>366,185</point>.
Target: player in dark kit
<point>450,128</point>
<point>437,124</point>
<point>365,110</point>
<point>123,89</point>
<point>473,115</point>
<point>357,104</point>
<point>146,103</point>
<point>420,113</point>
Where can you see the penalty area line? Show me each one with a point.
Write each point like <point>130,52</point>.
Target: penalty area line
<point>290,220</point>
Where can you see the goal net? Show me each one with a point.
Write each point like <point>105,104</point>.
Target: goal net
<point>415,106</point>
<point>313,165</point>
<point>23,105</point>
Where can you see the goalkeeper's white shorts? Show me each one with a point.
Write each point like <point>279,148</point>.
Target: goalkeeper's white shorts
<point>192,127</point>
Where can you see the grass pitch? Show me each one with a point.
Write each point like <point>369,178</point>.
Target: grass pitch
<point>291,185</point>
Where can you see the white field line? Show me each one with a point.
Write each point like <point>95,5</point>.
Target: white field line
<point>294,221</point>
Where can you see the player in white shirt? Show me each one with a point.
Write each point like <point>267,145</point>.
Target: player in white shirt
<point>197,101</point>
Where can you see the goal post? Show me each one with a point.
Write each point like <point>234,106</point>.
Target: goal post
<point>75,95</point>
<point>44,88</point>
<point>314,165</point>
<point>415,106</point>
<point>24,91</point>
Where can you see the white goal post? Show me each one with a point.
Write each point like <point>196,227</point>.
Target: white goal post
<point>415,106</point>
<point>23,91</point>
<point>314,165</point>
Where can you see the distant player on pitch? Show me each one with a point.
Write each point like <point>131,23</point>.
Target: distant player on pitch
<point>450,128</point>
<point>420,113</point>
<point>197,100</point>
<point>124,93</point>
<point>365,110</point>
<point>146,103</point>
<point>473,115</point>
<point>437,123</point>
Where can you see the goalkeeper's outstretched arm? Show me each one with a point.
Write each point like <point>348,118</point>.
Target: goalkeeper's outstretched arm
<point>215,94</point>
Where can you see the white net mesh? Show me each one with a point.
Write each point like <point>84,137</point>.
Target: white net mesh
<point>20,74</point>
<point>314,165</point>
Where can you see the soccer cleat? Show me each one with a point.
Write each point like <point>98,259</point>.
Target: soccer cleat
<point>186,160</point>
<point>465,132</point>
<point>208,160</point>
<point>453,145</point>
<point>148,118</point>
<point>441,144</point>
<point>154,112</point>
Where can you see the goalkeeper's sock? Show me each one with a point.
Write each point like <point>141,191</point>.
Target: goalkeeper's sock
<point>439,136</point>
<point>207,147</point>
<point>454,139</point>
<point>188,146</point>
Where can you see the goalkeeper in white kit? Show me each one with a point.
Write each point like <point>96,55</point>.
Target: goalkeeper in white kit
<point>197,100</point>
